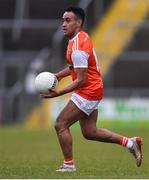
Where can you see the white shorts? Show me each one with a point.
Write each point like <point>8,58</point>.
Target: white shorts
<point>85,105</point>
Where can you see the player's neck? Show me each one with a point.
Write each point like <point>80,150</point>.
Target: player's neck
<point>75,33</point>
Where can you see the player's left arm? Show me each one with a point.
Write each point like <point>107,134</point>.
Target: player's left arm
<point>79,82</point>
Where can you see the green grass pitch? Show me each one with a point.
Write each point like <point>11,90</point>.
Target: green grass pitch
<point>35,153</point>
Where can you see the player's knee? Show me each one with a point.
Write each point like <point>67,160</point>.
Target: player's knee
<point>59,125</point>
<point>89,135</point>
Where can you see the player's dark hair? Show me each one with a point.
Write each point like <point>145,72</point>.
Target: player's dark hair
<point>78,12</point>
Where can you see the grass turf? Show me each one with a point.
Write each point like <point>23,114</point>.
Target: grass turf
<point>30,153</point>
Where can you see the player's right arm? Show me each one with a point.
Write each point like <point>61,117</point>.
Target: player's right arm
<point>77,83</point>
<point>63,73</point>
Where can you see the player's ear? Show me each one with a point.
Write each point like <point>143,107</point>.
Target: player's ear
<point>79,22</point>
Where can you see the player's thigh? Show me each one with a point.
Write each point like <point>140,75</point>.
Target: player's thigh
<point>88,123</point>
<point>69,115</point>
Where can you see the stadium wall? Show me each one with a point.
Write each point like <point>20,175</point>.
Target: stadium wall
<point>110,109</point>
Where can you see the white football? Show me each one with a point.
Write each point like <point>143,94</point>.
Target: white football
<point>45,81</point>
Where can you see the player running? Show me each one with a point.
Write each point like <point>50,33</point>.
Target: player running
<point>87,91</point>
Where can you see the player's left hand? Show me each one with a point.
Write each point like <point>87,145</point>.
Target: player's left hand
<point>50,94</point>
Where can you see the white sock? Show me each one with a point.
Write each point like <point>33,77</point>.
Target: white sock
<point>129,144</point>
<point>69,166</point>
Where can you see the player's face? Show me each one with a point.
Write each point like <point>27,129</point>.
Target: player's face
<point>71,24</point>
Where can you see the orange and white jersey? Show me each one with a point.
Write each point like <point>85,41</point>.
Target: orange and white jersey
<point>81,54</point>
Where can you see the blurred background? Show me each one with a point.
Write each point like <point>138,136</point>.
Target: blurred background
<point>31,41</point>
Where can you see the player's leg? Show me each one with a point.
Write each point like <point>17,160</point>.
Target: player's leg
<point>69,115</point>
<point>91,132</point>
